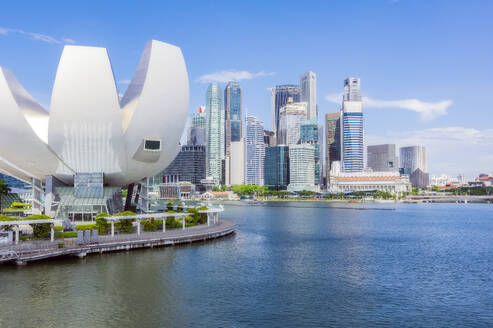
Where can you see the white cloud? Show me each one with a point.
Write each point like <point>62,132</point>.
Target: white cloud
<point>70,41</point>
<point>451,150</point>
<point>36,36</point>
<point>126,82</point>
<point>454,135</point>
<point>426,110</point>
<point>231,75</point>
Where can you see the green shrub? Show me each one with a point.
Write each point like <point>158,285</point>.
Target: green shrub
<point>70,234</point>
<point>41,230</point>
<point>66,234</point>
<point>4,217</point>
<point>172,222</point>
<point>20,206</point>
<point>61,244</point>
<point>150,225</point>
<point>37,217</point>
<point>102,224</point>
<point>126,213</point>
<point>198,218</point>
<point>126,225</point>
<point>81,227</point>
<point>58,228</point>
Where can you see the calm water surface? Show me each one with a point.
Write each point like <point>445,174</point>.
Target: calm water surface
<point>289,265</point>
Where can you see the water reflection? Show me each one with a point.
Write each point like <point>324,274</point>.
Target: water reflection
<point>299,266</point>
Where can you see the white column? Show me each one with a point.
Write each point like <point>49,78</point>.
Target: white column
<point>164,224</point>
<point>138,226</point>
<point>52,233</point>
<point>183,221</point>
<point>112,228</point>
<point>208,219</point>
<point>17,235</point>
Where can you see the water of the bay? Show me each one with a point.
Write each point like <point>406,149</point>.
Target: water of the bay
<point>289,265</point>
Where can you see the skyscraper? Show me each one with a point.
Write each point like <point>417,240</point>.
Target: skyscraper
<point>276,167</point>
<point>255,151</point>
<point>309,134</point>
<point>280,96</point>
<point>332,140</point>
<point>215,132</point>
<point>188,165</point>
<point>352,127</point>
<point>308,85</point>
<point>232,108</point>
<point>413,158</point>
<point>352,89</point>
<point>237,162</point>
<point>269,138</point>
<point>301,167</point>
<point>290,117</point>
<point>382,158</point>
<point>197,129</point>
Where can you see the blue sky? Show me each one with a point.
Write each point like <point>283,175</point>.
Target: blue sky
<point>425,66</point>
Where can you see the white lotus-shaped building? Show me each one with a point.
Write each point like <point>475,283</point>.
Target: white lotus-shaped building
<point>89,129</point>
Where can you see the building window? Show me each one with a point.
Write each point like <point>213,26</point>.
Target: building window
<point>152,144</point>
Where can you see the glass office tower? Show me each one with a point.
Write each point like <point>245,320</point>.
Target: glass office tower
<point>352,127</point>
<point>276,167</point>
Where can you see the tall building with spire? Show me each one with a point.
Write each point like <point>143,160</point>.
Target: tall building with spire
<point>308,86</point>
<point>352,127</point>
<point>215,132</point>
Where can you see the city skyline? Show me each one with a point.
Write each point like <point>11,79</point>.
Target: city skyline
<point>419,85</point>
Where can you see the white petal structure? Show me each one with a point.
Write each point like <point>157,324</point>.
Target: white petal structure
<point>24,153</point>
<point>154,110</point>
<point>87,129</point>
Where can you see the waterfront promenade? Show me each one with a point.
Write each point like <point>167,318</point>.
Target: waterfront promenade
<point>35,251</point>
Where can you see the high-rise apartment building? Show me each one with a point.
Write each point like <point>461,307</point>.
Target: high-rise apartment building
<point>232,109</point>
<point>308,86</point>
<point>309,133</point>
<point>290,117</point>
<point>188,166</point>
<point>276,167</point>
<point>255,151</point>
<point>301,167</point>
<point>280,96</point>
<point>332,140</point>
<point>352,127</point>
<point>413,158</point>
<point>215,132</point>
<point>237,162</point>
<point>382,158</point>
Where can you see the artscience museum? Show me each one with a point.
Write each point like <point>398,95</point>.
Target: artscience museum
<point>92,142</point>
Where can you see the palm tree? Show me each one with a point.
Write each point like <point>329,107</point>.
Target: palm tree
<point>4,190</point>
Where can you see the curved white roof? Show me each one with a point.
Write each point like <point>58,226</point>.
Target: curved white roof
<point>88,129</point>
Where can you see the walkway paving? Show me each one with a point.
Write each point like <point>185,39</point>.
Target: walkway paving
<point>33,251</point>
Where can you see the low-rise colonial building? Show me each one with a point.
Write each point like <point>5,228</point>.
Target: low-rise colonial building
<point>367,181</point>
